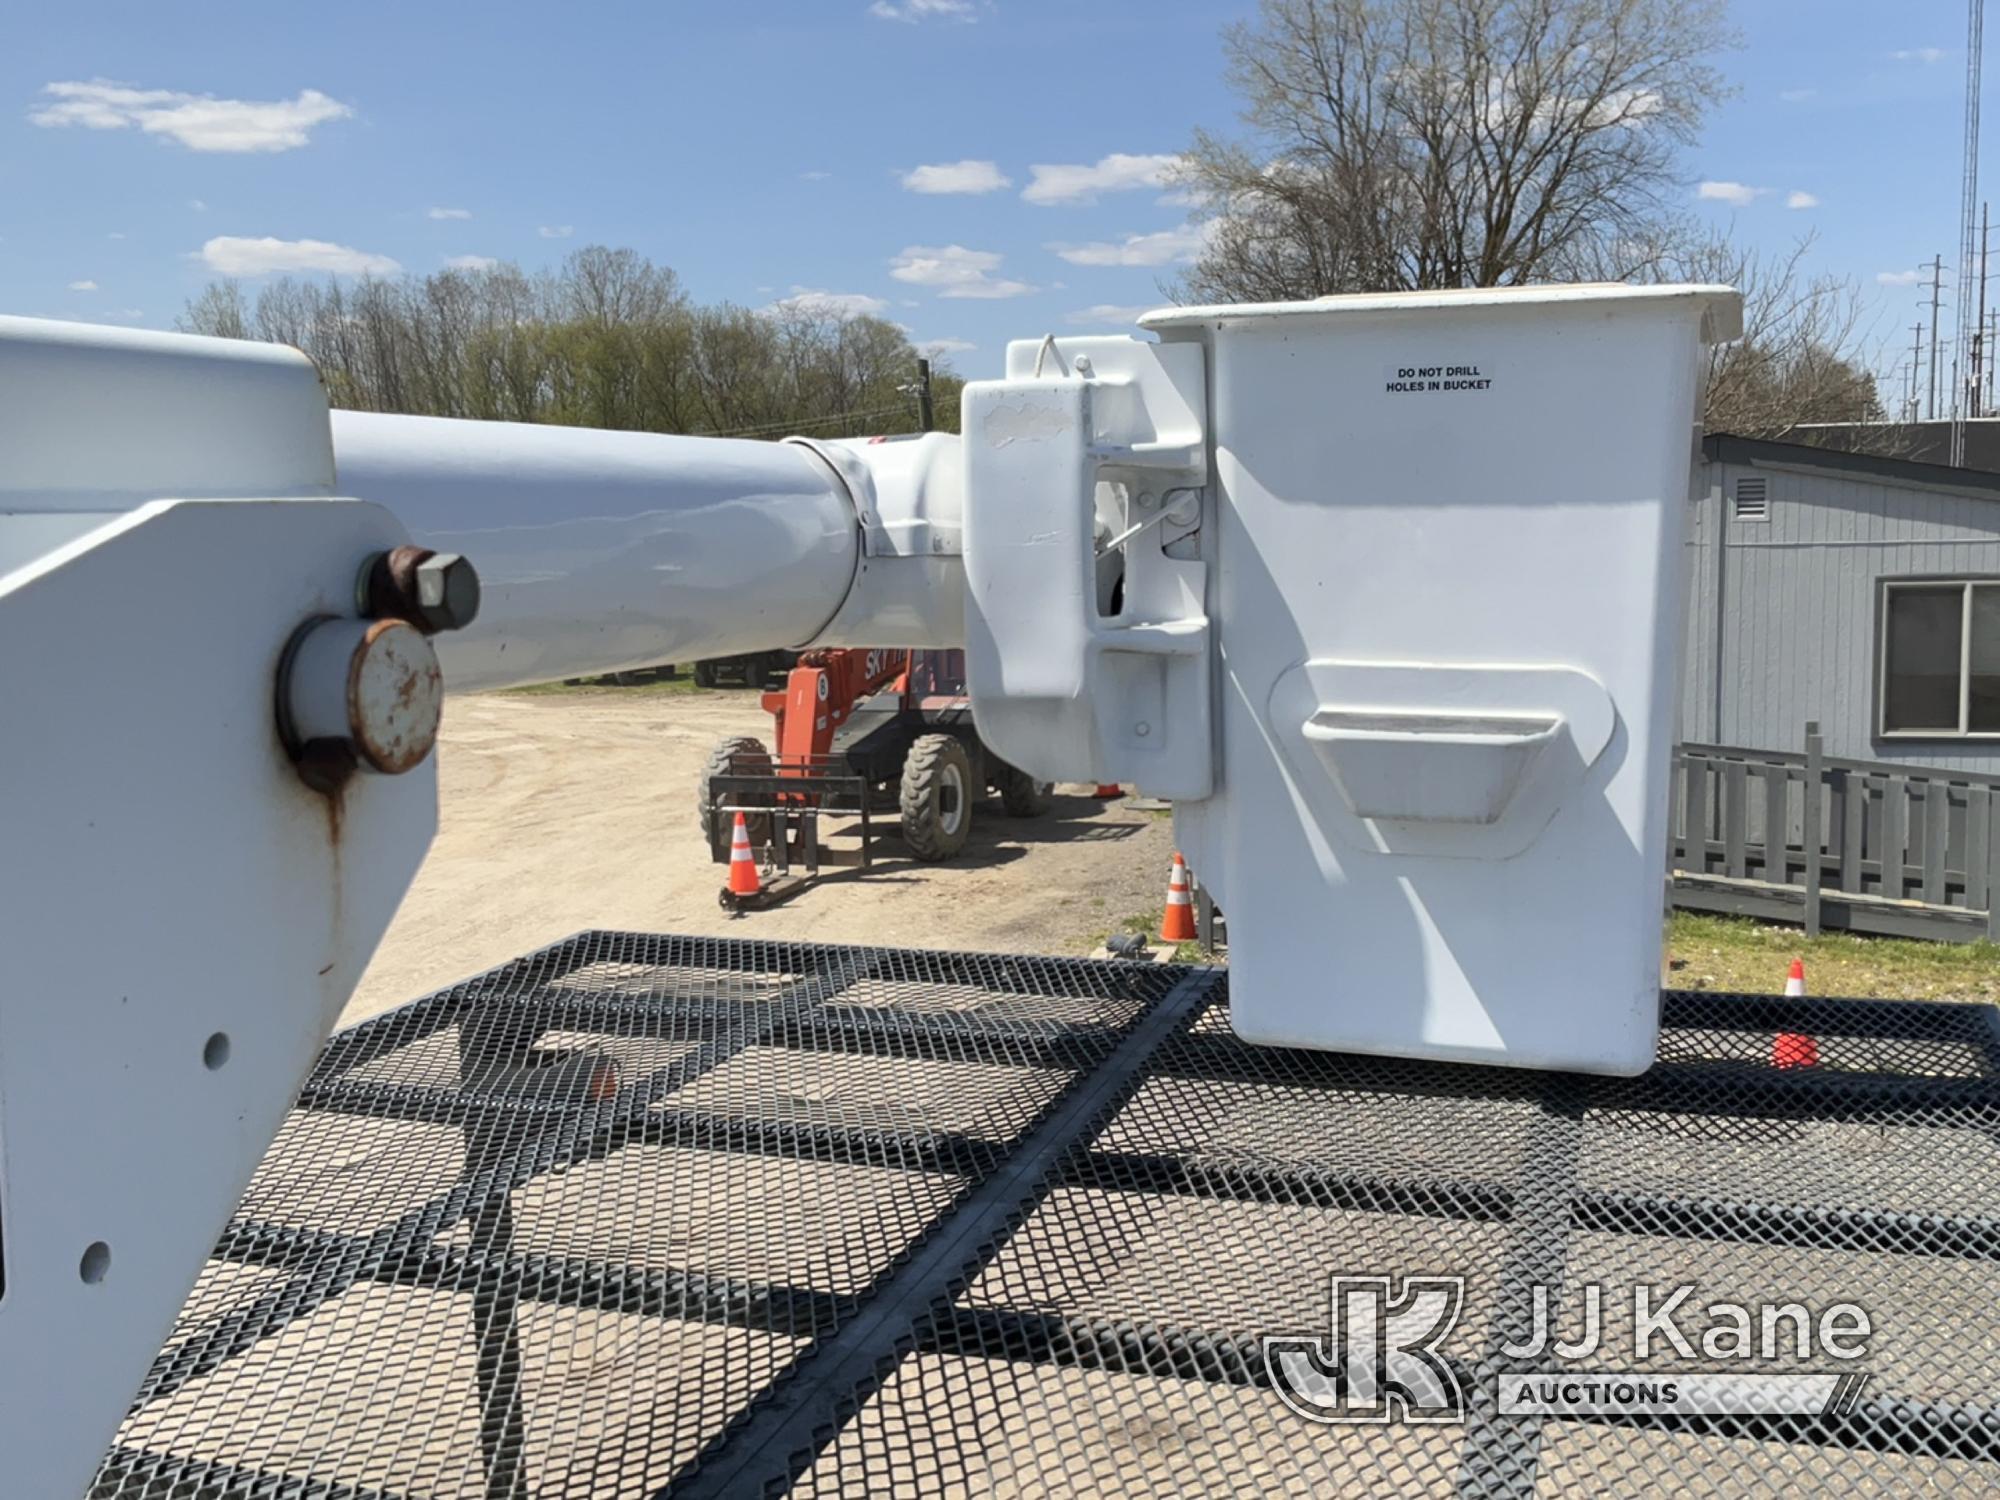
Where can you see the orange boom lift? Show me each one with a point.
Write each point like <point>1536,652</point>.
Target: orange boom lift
<point>856,733</point>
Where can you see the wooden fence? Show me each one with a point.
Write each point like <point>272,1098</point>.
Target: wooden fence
<point>1868,846</point>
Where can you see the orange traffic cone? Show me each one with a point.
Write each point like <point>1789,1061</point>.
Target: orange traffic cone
<point>1794,1049</point>
<point>742,864</point>
<point>1177,926</point>
<point>1104,791</point>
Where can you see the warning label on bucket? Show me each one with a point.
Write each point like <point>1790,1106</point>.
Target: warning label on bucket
<point>1426,380</point>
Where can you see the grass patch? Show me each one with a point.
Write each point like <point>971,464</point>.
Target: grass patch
<point>1147,925</point>
<point>1735,953</point>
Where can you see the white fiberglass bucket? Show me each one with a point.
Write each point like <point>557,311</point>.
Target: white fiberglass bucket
<point>1448,593</point>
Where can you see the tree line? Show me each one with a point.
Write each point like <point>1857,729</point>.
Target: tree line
<point>607,339</point>
<point>1404,145</point>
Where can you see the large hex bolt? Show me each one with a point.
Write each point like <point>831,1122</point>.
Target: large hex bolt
<point>434,591</point>
<point>360,692</point>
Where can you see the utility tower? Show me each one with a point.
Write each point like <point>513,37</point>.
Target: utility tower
<point>1964,385</point>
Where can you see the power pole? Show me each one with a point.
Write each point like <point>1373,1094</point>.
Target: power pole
<point>1937,291</point>
<point>924,414</point>
<point>1916,364</point>
<point>1980,350</point>
<point>1992,334</point>
<point>1963,351</point>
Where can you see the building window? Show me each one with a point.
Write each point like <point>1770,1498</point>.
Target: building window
<point>1941,659</point>
<point>1753,499</point>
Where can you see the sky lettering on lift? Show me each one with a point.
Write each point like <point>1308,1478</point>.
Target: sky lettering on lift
<point>1425,380</point>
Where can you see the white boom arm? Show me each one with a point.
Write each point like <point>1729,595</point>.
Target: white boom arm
<point>600,551</point>
<point>1304,569</point>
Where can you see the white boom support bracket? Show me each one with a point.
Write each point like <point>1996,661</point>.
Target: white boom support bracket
<point>1089,659</point>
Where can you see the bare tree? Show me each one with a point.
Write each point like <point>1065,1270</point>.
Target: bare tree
<point>1800,359</point>
<point>1401,144</point>
<point>612,287</point>
<point>607,340</point>
<point>219,312</point>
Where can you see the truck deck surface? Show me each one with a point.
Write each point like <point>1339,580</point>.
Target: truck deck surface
<point>639,1215</point>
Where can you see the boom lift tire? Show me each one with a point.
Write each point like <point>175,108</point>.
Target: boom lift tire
<point>736,752</point>
<point>1024,797</point>
<point>936,797</point>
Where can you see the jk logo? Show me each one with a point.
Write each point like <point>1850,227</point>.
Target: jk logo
<point>1380,1362</point>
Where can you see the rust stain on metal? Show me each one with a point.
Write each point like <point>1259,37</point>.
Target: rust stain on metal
<point>406,687</point>
<point>391,592</point>
<point>397,742</point>
<point>327,766</point>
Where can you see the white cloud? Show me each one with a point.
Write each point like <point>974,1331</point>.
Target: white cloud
<point>1925,55</point>
<point>817,303</point>
<point>1797,96</point>
<point>230,255</point>
<point>83,286</point>
<point>957,177</point>
<point>470,262</point>
<point>116,234</point>
<point>922,10</point>
<point>931,348</point>
<point>1116,173</point>
<point>1798,198</point>
<point>815,176</point>
<point>1735,194</point>
<point>448,213</point>
<point>200,122</point>
<point>197,205</point>
<point>1898,278</point>
<point>556,231</point>
<point>955,271</point>
<point>1156,249</point>
<point>1112,313</point>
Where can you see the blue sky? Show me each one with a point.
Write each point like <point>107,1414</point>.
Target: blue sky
<point>769,148</point>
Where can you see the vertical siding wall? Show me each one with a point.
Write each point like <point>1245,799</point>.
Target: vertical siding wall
<point>1781,621</point>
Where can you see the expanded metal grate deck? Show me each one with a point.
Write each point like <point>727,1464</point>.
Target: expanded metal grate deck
<point>647,1215</point>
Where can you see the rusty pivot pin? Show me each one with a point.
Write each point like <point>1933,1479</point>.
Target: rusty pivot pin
<point>368,693</point>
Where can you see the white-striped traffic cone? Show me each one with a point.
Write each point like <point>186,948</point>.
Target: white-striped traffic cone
<point>1177,924</point>
<point>742,864</point>
<point>1794,1049</point>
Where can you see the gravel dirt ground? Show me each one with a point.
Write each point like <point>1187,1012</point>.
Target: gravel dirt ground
<point>564,811</point>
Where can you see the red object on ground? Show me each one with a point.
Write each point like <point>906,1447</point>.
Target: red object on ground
<point>1105,791</point>
<point>742,864</point>
<point>1177,925</point>
<point>1795,980</point>
<point>1794,1049</point>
